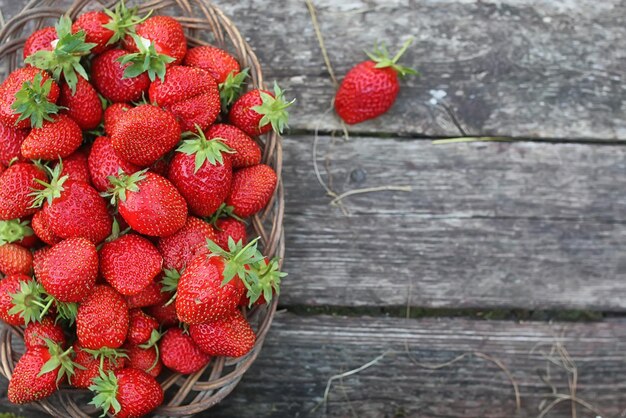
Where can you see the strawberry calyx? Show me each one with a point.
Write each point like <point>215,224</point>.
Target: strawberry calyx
<point>116,231</point>
<point>224,211</point>
<point>123,21</point>
<point>273,109</point>
<point>29,302</point>
<point>169,283</point>
<point>268,282</point>
<point>65,58</point>
<point>14,230</point>
<point>31,102</point>
<point>380,55</point>
<point>105,386</point>
<point>204,149</point>
<point>65,310</point>
<point>155,336</point>
<point>59,359</point>
<point>231,87</point>
<point>107,353</point>
<point>122,183</point>
<point>147,59</point>
<point>51,190</point>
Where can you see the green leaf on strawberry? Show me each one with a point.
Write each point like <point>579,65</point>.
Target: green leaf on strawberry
<point>231,87</point>
<point>204,149</point>
<point>14,230</point>
<point>31,102</point>
<point>59,359</point>
<point>381,57</point>
<point>122,183</point>
<point>51,190</point>
<point>224,211</point>
<point>274,109</point>
<point>146,60</point>
<point>29,303</point>
<point>105,387</point>
<point>123,21</point>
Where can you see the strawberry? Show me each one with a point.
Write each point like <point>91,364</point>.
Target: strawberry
<point>102,319</point>
<point>16,185</point>
<point>201,170</point>
<point>112,114</point>
<point>130,263</point>
<point>17,232</point>
<point>55,139</point>
<point>39,372</point>
<point>19,298</point>
<point>247,151</point>
<point>370,88</point>
<point>165,33</point>
<point>149,203</point>
<point>140,327</point>
<point>92,361</point>
<point>73,209</point>
<point>27,97</point>
<point>42,229</point>
<point>164,313</point>
<point>68,270</point>
<point>75,167</point>
<point>230,228</point>
<point>15,259</point>
<point>144,134</point>
<point>229,337</point>
<point>10,142</point>
<point>251,189</point>
<point>128,393</point>
<point>190,94</point>
<point>180,354</point>
<point>161,166</point>
<point>40,40</point>
<point>83,106</point>
<point>107,77</point>
<point>216,61</point>
<point>104,161</point>
<point>181,247</point>
<point>150,295</point>
<point>36,333</point>
<point>145,359</point>
<point>259,111</point>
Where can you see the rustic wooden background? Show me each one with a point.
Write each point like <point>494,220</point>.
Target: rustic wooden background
<point>501,250</point>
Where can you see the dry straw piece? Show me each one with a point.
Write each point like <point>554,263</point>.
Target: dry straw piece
<point>204,23</point>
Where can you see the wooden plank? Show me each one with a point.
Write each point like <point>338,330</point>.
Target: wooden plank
<point>522,225</point>
<point>302,353</point>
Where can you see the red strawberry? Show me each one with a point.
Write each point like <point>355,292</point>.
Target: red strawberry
<point>259,111</point>
<point>247,151</point>
<point>75,167</point>
<point>180,354</point>
<point>27,96</point>
<point>140,327</point>
<point>164,313</point>
<point>10,142</point>
<point>17,232</point>
<point>68,270</point>
<point>149,203</point>
<point>226,228</point>
<point>42,229</point>
<point>144,359</point>
<point>89,360</point>
<point>18,294</point>
<point>228,337</point>
<point>15,259</point>
<point>161,167</point>
<point>370,88</point>
<point>144,134</point>
<point>104,161</point>
<point>102,319</point>
<point>55,139</point>
<point>165,33</point>
<point>251,189</point>
<point>16,185</point>
<point>128,393</point>
<point>92,23</point>
<point>181,247</point>
<point>201,170</point>
<point>40,40</point>
<point>216,61</point>
<point>112,114</point>
<point>83,106</point>
<point>190,94</point>
<point>130,263</point>
<point>36,332</point>
<point>151,295</point>
<point>107,77</point>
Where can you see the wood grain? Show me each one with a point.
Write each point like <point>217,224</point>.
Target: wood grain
<point>302,353</point>
<point>521,225</point>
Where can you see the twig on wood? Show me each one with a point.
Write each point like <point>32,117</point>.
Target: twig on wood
<point>2,21</point>
<point>470,139</point>
<point>345,395</point>
<point>320,40</point>
<point>563,398</point>
<point>370,190</point>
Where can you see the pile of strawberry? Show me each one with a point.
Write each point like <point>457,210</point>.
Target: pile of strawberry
<point>128,164</point>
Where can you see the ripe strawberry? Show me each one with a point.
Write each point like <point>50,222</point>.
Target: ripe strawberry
<point>130,263</point>
<point>150,295</point>
<point>27,97</point>
<point>149,203</point>
<point>10,142</point>
<point>190,94</point>
<point>161,166</point>
<point>107,77</point>
<point>16,185</point>
<point>14,231</point>
<point>140,327</point>
<point>102,319</point>
<point>15,259</point>
<point>39,372</point>
<point>180,354</point>
<point>68,270</point>
<point>112,114</point>
<point>247,151</point>
<point>164,313</point>
<point>36,333</point>
<point>75,167</point>
<point>259,111</point>
<point>83,106</point>
<point>165,33</point>
<point>230,228</point>
<point>181,247</point>
<point>144,134</point>
<point>251,189</point>
<point>104,161</point>
<point>370,88</point>
<point>216,61</point>
<point>55,139</point>
<point>18,294</point>
<point>128,393</point>
<point>229,337</point>
<point>201,170</point>
<point>42,229</point>
<point>90,361</point>
<point>145,359</point>
<point>40,40</point>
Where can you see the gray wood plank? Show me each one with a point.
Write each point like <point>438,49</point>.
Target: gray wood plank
<point>522,225</point>
<point>302,353</point>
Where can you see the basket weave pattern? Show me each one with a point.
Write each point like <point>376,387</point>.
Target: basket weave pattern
<point>204,23</point>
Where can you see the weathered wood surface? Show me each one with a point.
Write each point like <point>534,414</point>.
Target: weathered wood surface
<point>524,225</point>
<point>302,353</point>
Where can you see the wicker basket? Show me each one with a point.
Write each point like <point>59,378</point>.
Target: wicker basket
<point>203,23</point>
